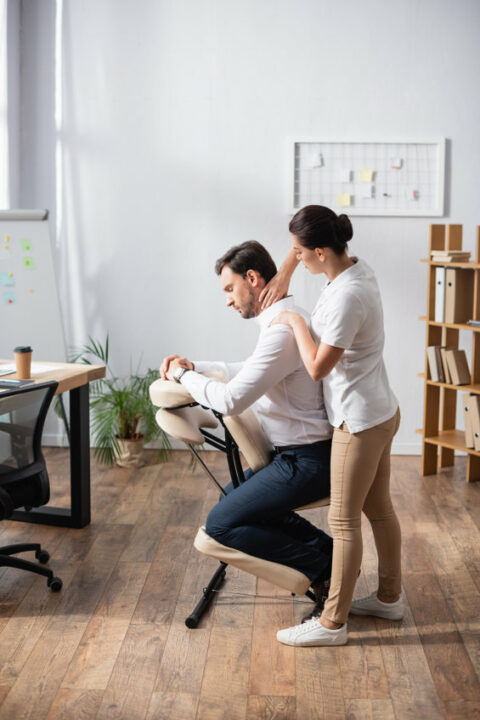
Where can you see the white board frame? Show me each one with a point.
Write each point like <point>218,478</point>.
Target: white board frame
<point>436,210</point>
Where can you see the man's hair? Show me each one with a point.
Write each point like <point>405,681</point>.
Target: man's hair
<point>250,255</point>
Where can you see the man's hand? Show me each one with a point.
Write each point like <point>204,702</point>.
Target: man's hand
<point>171,363</point>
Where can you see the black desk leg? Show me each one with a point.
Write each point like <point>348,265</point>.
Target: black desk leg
<point>80,456</point>
<point>78,515</point>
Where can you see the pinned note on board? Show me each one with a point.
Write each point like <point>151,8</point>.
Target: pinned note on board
<point>368,190</point>
<point>26,245</point>
<point>317,160</point>
<point>9,298</point>
<point>344,199</point>
<point>413,193</point>
<point>29,262</point>
<point>366,175</point>
<point>344,175</point>
<point>396,163</point>
<point>7,279</point>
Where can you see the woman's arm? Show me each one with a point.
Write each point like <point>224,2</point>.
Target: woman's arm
<point>319,361</point>
<point>277,288</point>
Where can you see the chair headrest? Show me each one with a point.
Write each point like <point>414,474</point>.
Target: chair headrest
<point>184,423</point>
<point>170,394</point>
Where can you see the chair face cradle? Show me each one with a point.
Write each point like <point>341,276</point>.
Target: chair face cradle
<point>23,473</point>
<point>182,418</point>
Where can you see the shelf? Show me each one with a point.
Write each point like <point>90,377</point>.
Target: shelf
<point>453,439</point>
<point>475,389</point>
<point>467,265</point>
<point>457,326</point>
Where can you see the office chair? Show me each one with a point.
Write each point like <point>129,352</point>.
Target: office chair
<point>184,419</point>
<point>23,473</point>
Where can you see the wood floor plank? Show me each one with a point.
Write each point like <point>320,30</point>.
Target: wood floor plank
<point>228,663</point>
<point>182,665</point>
<point>222,707</point>
<point>272,665</point>
<point>449,663</point>
<point>72,704</point>
<point>269,707</point>
<point>130,687</point>
<point>165,578</point>
<point>169,705</point>
<point>92,664</point>
<point>28,622</point>
<point>361,709</point>
<point>319,683</point>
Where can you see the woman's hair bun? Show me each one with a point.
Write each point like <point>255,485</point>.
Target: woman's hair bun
<point>345,228</point>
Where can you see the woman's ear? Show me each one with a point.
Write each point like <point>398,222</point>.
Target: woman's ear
<point>321,254</point>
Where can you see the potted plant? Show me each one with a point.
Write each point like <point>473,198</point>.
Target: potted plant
<point>123,417</point>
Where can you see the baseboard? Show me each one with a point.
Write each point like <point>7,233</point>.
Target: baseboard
<point>59,440</point>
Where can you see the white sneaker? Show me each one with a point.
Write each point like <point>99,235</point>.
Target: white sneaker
<point>371,605</point>
<point>312,632</point>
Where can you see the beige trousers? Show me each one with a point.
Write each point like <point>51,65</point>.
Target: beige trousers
<point>360,480</point>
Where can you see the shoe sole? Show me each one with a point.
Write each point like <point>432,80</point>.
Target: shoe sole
<point>311,643</point>
<point>357,611</point>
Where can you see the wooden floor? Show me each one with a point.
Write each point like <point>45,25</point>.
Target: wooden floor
<point>113,644</point>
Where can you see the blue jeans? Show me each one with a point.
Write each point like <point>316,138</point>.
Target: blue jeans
<point>257,516</point>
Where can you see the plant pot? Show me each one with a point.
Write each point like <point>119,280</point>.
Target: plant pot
<point>131,453</point>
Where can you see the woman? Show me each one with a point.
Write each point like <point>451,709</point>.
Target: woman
<point>346,353</point>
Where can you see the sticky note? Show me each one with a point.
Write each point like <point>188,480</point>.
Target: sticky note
<point>368,190</point>
<point>366,175</point>
<point>32,290</point>
<point>29,262</point>
<point>26,245</point>
<point>6,279</point>
<point>344,199</point>
<point>396,163</point>
<point>344,175</point>
<point>414,194</point>
<point>317,160</point>
<point>9,298</point>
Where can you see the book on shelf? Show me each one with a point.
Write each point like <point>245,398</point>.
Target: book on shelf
<point>458,295</point>
<point>474,418</point>
<point>473,323</point>
<point>438,365</point>
<point>467,418</point>
<point>458,366</point>
<point>432,363</point>
<point>440,368</point>
<point>450,257</point>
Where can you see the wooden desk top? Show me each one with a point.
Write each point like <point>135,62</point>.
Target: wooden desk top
<point>68,375</point>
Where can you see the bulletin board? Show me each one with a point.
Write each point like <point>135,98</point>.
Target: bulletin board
<point>29,305</point>
<point>365,177</point>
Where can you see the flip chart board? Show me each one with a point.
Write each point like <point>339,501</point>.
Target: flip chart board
<point>29,304</point>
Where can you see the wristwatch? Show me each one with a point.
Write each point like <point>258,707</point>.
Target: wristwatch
<point>179,373</point>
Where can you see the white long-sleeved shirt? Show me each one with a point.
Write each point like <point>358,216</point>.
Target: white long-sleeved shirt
<point>288,403</point>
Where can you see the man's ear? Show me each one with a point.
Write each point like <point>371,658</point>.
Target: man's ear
<point>254,279</point>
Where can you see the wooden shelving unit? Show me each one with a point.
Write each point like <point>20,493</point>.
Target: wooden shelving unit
<point>440,399</point>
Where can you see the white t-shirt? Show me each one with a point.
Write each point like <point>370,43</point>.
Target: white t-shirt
<point>349,315</point>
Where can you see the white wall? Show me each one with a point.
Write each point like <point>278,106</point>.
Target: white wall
<point>175,114</point>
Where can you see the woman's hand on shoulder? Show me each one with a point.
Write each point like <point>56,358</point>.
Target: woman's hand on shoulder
<point>274,290</point>
<point>286,317</point>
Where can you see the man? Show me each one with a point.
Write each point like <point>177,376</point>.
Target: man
<point>257,517</point>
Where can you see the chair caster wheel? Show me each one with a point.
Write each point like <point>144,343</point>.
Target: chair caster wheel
<point>42,556</point>
<point>55,584</point>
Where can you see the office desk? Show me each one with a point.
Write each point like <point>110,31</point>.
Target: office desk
<point>72,378</point>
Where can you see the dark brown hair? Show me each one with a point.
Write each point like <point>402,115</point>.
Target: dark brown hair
<point>316,226</point>
<point>250,255</point>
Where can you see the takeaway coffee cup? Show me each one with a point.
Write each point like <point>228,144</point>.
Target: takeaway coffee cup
<point>23,361</point>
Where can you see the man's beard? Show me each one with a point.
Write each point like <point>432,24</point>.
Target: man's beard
<point>249,310</point>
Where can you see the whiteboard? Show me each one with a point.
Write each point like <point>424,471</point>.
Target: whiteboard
<point>29,305</point>
<point>366,177</point>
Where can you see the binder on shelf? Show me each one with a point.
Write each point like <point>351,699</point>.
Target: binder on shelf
<point>446,369</point>
<point>458,366</point>
<point>440,369</point>
<point>474,411</point>
<point>458,295</point>
<point>440,294</point>
<point>467,417</point>
<point>432,363</point>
